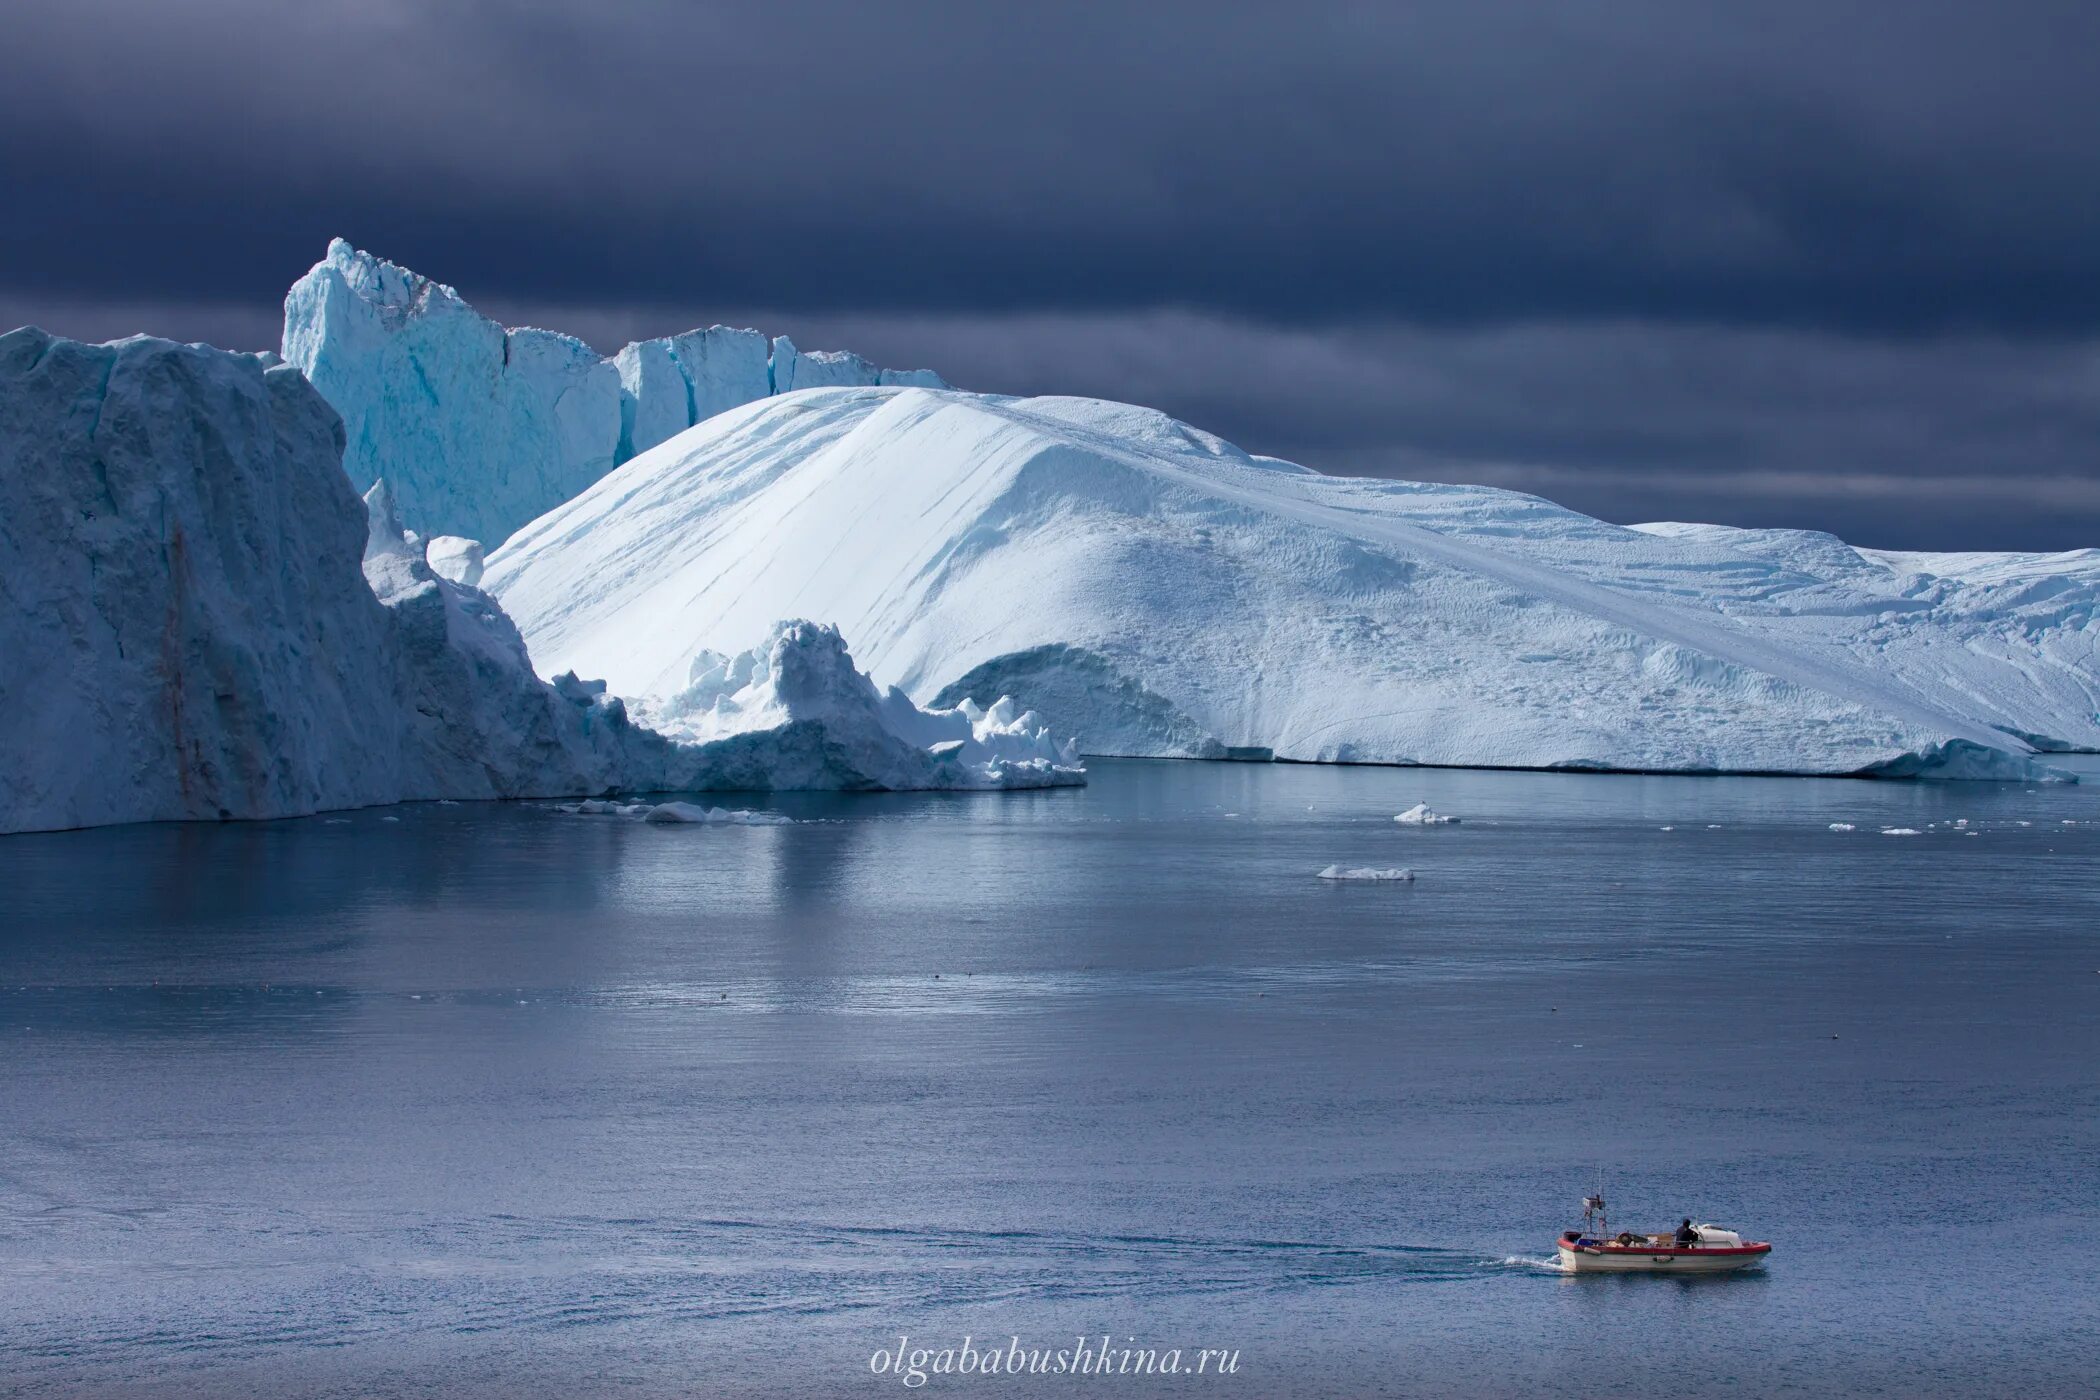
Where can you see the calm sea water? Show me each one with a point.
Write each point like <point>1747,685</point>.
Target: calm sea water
<point>492,1100</point>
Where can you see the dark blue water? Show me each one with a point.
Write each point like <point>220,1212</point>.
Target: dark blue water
<point>491,1100</point>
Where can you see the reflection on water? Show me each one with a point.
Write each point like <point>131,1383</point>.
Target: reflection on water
<point>489,1099</point>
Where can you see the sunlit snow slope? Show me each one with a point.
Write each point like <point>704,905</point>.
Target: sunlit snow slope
<point>1158,591</point>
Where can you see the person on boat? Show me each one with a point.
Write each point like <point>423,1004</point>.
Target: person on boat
<point>1686,1235</point>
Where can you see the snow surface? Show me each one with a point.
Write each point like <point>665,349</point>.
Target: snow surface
<point>1160,592</point>
<point>202,620</point>
<point>479,428</point>
<point>1421,815</point>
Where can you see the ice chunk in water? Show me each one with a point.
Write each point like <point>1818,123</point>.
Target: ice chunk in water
<point>1367,872</point>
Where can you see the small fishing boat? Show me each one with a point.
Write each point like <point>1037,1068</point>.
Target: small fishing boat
<point>1703,1249</point>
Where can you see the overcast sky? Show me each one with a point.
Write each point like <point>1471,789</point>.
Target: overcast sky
<point>1826,264</point>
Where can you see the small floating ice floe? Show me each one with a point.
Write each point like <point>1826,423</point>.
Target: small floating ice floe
<point>1367,872</point>
<point>1901,831</point>
<point>1421,815</point>
<point>1843,826</point>
<point>673,813</point>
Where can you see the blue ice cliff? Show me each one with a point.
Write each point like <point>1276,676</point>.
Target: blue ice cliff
<point>478,429</point>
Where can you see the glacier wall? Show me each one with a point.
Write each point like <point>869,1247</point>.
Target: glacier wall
<point>197,623</point>
<point>478,428</point>
<point>175,545</point>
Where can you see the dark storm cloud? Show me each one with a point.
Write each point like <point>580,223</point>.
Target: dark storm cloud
<point>1873,166</point>
<point>1946,443</point>
<point>1813,263</point>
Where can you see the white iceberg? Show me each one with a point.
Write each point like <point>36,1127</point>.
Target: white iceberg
<point>1161,593</point>
<point>1901,831</point>
<point>682,813</point>
<point>800,679</point>
<point>1843,826</point>
<point>479,428</point>
<point>1421,815</point>
<point>1367,872</point>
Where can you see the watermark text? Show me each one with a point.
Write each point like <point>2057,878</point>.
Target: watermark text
<point>914,1365</point>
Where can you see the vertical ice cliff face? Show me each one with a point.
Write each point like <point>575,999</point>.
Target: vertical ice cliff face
<point>182,624</point>
<point>795,369</point>
<point>819,369</point>
<point>470,424</point>
<point>479,429</point>
<point>675,381</point>
<point>200,620</point>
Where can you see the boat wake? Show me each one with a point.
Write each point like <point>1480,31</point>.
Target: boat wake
<point>348,1279</point>
<point>1532,1261</point>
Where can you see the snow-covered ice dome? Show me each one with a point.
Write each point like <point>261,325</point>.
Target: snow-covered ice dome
<point>1157,591</point>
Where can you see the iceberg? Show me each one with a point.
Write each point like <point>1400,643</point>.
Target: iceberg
<point>686,814</point>
<point>183,623</point>
<point>791,714</point>
<point>201,620</point>
<point>479,428</point>
<point>1421,815</point>
<point>1159,592</point>
<point>801,677</point>
<point>1368,873</point>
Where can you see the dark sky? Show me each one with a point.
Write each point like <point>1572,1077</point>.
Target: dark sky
<point>1823,264</point>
